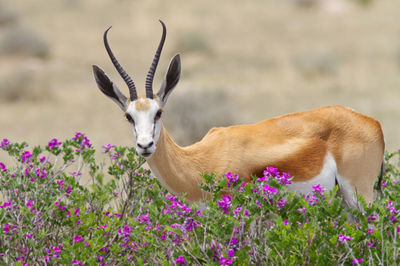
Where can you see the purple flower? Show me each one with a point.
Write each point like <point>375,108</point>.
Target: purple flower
<point>29,235</point>
<point>6,229</point>
<point>334,224</point>
<point>69,189</point>
<point>357,261</point>
<point>225,203</point>
<point>83,141</point>
<point>318,189</point>
<point>107,147</point>
<point>344,238</point>
<point>285,222</point>
<point>54,144</point>
<point>225,261</point>
<point>42,159</point>
<point>42,173</point>
<point>372,217</point>
<point>271,171</point>
<point>231,178</point>
<point>78,136</point>
<point>270,191</point>
<point>86,142</point>
<point>312,200</point>
<point>6,204</point>
<point>144,218</point>
<point>281,203</point>
<point>4,144</point>
<point>3,167</point>
<point>231,252</point>
<point>60,183</point>
<point>243,186</point>
<point>284,179</point>
<point>100,258</point>
<point>180,260</point>
<point>125,231</point>
<point>163,236</point>
<point>237,210</point>
<point>391,208</point>
<point>234,241</point>
<point>114,156</point>
<point>76,174</point>
<point>78,239</point>
<point>59,205</point>
<point>26,157</point>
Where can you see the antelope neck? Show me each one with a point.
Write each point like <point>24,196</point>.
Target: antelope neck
<point>175,169</point>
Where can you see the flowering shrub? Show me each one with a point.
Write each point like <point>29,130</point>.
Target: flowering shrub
<point>59,206</point>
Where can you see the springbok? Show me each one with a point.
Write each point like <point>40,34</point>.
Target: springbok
<point>327,146</point>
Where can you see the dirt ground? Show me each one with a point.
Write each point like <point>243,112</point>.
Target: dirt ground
<point>270,57</point>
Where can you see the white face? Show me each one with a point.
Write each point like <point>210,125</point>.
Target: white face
<point>144,116</point>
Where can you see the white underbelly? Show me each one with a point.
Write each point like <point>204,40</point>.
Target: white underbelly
<point>325,179</point>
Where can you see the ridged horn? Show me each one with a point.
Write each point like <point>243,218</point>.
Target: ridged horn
<point>153,67</point>
<point>121,71</point>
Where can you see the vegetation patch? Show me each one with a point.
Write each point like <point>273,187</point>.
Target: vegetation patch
<point>50,214</point>
<point>24,42</point>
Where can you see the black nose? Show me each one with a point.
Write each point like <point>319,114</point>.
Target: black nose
<point>145,146</point>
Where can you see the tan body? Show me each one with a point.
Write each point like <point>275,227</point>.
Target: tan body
<point>295,143</point>
<point>327,146</point>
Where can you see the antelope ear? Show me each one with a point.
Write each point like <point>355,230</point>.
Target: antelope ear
<point>170,80</point>
<point>109,88</point>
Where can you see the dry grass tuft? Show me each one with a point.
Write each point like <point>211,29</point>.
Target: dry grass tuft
<point>23,85</point>
<point>193,42</point>
<point>7,15</point>
<point>25,42</point>
<point>189,115</point>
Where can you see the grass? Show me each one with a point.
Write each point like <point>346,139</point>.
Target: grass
<point>50,215</point>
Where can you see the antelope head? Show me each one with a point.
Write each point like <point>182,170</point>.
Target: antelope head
<point>143,113</point>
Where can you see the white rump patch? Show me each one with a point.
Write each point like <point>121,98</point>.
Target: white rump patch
<point>325,179</point>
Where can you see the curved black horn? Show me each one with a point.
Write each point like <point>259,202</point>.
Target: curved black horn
<point>152,71</point>
<point>121,71</point>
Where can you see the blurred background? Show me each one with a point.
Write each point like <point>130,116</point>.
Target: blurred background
<point>243,61</point>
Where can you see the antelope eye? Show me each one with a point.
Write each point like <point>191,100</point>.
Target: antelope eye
<point>158,115</point>
<point>129,118</point>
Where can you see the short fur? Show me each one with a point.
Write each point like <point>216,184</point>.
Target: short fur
<point>142,104</point>
<point>294,143</point>
<point>330,145</point>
